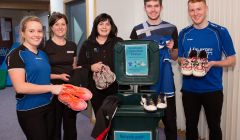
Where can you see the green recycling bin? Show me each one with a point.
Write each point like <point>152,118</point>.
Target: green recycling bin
<point>136,63</point>
<point>3,75</point>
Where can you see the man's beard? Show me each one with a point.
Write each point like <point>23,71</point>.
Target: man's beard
<point>154,18</point>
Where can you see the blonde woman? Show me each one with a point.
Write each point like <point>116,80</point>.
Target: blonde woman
<point>29,71</point>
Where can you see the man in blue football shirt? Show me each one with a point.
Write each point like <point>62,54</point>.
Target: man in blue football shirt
<point>166,35</point>
<point>206,91</point>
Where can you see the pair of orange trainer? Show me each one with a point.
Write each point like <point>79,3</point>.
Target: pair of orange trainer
<point>74,97</point>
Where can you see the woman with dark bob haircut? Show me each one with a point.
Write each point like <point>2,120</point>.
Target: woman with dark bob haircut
<point>62,57</point>
<point>97,51</point>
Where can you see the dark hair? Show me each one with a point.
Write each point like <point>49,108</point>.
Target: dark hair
<point>160,1</point>
<point>194,1</point>
<point>55,16</point>
<point>100,18</point>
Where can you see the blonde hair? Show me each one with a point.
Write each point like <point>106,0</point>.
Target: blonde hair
<point>23,24</point>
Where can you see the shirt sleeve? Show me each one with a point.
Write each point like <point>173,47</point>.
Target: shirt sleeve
<point>175,38</point>
<point>14,60</point>
<point>227,43</point>
<point>133,34</point>
<point>180,45</point>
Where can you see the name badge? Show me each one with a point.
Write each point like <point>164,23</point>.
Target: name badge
<point>70,51</point>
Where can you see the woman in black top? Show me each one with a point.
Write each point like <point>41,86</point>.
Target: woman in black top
<point>62,58</point>
<point>97,51</point>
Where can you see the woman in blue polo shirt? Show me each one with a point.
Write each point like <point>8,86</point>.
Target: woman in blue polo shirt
<point>29,71</point>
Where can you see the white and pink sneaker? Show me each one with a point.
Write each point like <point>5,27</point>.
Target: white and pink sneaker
<point>187,65</point>
<point>199,68</point>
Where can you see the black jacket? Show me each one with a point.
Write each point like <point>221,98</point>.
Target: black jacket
<point>92,52</point>
<point>105,115</point>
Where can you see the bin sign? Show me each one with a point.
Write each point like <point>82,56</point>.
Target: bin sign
<point>132,135</point>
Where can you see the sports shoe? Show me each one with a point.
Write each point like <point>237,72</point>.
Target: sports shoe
<point>161,101</point>
<point>187,65</point>
<point>199,69</point>
<point>74,97</point>
<point>144,99</point>
<point>80,92</point>
<point>148,103</point>
<point>104,78</point>
<point>72,102</point>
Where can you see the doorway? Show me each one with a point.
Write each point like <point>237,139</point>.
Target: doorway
<point>76,13</point>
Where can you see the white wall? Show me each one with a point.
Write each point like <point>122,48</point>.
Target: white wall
<point>127,13</point>
<point>57,6</point>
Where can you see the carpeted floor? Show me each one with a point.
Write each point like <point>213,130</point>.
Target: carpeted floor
<point>10,129</point>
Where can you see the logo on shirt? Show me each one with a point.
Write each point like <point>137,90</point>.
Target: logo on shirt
<point>70,51</point>
<point>95,50</point>
<point>189,39</point>
<point>38,58</point>
<point>208,50</point>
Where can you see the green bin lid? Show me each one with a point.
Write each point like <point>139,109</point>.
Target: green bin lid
<point>136,62</point>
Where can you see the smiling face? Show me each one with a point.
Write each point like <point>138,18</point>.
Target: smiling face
<point>59,29</point>
<point>104,28</point>
<point>153,9</point>
<point>32,34</point>
<point>198,13</point>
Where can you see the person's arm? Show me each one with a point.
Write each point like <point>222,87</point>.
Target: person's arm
<point>228,62</point>
<point>17,76</point>
<point>63,76</point>
<point>180,60</point>
<point>180,49</point>
<point>75,57</point>
<point>75,63</point>
<point>228,50</point>
<point>174,49</point>
<point>174,54</point>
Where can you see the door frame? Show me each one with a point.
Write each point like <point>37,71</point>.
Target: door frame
<point>90,5</point>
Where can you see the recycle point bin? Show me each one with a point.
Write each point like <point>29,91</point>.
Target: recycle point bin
<point>136,63</point>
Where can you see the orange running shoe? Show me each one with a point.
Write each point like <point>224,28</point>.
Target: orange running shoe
<point>80,92</point>
<point>72,102</point>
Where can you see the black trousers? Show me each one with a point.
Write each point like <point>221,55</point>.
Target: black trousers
<point>97,101</point>
<point>67,117</point>
<point>100,95</point>
<point>38,124</point>
<point>212,104</point>
<point>169,119</point>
